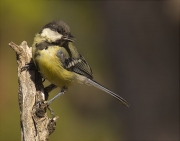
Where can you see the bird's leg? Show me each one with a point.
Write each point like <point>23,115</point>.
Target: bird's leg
<point>63,90</point>
<point>29,66</point>
<point>48,89</point>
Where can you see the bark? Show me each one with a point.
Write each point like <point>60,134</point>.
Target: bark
<point>35,124</point>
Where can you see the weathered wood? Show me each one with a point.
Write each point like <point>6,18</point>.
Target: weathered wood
<point>35,124</point>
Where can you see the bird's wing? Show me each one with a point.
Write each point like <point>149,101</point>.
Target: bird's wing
<point>79,65</point>
<point>73,61</point>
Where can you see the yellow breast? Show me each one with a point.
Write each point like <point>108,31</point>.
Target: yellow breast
<point>51,68</point>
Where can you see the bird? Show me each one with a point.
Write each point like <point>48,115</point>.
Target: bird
<point>58,60</point>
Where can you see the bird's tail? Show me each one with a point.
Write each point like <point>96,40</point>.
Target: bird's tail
<point>97,85</point>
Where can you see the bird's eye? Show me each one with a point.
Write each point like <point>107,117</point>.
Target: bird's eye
<point>59,31</point>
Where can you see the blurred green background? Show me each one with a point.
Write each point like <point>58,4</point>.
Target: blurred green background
<point>133,49</point>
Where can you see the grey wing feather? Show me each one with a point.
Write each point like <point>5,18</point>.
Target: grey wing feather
<point>81,67</point>
<point>77,65</point>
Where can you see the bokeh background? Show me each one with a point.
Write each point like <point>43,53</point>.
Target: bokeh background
<point>133,49</point>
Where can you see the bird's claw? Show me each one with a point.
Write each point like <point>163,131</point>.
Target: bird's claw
<point>28,66</point>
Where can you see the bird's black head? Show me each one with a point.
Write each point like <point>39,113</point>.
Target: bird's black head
<point>57,32</point>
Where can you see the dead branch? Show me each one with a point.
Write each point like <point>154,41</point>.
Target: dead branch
<point>35,124</point>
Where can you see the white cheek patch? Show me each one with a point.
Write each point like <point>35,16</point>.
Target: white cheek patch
<point>50,34</point>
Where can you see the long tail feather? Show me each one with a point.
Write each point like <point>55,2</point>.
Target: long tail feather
<point>97,85</point>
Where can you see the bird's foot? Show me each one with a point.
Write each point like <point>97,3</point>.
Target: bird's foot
<point>29,66</point>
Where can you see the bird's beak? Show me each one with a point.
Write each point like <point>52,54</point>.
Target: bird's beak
<point>68,38</point>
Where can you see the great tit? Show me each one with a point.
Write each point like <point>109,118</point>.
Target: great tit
<point>58,60</point>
